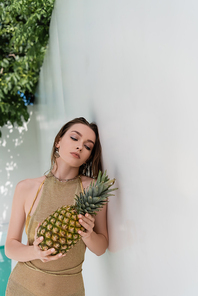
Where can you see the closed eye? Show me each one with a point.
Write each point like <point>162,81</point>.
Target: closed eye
<point>74,139</point>
<point>87,147</point>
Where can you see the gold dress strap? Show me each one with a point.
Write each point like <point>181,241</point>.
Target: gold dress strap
<point>81,185</point>
<point>28,215</point>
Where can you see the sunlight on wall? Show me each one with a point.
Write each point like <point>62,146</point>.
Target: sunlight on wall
<point>11,138</point>
<point>17,151</point>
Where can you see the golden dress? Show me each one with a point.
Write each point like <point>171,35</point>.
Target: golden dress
<point>62,277</point>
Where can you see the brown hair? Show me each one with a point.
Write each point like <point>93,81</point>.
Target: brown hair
<point>94,163</point>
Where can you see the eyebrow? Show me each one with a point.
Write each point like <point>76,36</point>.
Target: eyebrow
<point>81,136</point>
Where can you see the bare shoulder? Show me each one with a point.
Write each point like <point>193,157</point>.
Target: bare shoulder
<point>25,191</point>
<point>29,184</point>
<point>86,181</point>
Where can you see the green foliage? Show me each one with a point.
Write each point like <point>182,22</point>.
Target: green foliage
<point>24,34</point>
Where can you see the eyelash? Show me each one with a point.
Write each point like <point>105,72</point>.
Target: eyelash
<point>74,139</point>
<point>88,148</point>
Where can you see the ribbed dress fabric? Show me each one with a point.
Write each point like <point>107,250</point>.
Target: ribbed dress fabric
<point>61,277</point>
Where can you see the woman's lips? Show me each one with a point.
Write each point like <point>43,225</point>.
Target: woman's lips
<point>76,155</point>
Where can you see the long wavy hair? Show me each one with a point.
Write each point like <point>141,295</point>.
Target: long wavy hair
<point>94,163</point>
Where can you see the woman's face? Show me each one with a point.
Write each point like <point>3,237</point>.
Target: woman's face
<point>76,145</point>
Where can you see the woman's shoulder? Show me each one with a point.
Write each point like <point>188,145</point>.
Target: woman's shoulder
<point>29,184</point>
<point>86,181</point>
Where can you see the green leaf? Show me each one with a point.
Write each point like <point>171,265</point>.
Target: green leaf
<point>24,34</point>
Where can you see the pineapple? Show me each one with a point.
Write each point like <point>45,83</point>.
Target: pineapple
<point>60,229</point>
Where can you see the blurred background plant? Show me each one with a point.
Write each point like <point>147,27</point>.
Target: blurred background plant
<point>24,34</point>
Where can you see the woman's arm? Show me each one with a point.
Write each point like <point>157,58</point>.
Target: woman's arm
<point>96,235</point>
<point>14,249</point>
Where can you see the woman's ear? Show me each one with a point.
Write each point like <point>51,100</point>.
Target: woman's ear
<point>57,144</point>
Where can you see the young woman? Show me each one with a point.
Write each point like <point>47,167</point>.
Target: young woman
<point>75,160</point>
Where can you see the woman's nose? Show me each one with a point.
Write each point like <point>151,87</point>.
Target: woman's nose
<point>79,147</point>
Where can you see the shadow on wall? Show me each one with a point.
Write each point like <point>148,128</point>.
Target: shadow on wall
<point>118,221</point>
<point>10,155</point>
<point>124,231</point>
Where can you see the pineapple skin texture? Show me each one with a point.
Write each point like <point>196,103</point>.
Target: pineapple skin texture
<point>60,230</point>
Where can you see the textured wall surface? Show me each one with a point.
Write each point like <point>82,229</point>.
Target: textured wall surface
<point>132,66</point>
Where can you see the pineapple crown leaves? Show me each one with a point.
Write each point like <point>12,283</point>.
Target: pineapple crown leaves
<point>92,199</point>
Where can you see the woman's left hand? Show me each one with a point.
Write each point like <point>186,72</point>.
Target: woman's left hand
<point>88,223</point>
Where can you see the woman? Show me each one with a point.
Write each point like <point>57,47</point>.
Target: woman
<point>76,158</point>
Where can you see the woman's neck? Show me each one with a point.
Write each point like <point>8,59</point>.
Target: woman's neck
<point>65,173</point>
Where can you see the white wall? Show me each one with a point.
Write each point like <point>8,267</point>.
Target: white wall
<point>132,67</point>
